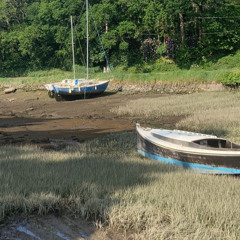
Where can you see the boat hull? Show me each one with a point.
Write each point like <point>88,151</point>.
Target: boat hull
<point>81,90</point>
<point>216,164</point>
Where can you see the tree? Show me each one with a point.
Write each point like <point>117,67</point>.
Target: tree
<point>35,34</point>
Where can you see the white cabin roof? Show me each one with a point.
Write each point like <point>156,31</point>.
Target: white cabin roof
<point>181,135</point>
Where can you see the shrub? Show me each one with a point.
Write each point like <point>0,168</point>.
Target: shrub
<point>121,69</point>
<point>132,69</point>
<point>230,61</point>
<point>164,65</point>
<point>231,79</point>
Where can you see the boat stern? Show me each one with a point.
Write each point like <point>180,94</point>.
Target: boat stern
<point>49,87</point>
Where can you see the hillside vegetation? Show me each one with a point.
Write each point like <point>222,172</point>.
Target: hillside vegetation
<point>217,71</point>
<point>138,35</point>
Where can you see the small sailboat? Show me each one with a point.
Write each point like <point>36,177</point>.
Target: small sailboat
<point>77,87</point>
<point>200,152</point>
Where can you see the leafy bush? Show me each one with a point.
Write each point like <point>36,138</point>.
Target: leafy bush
<point>91,70</point>
<point>132,69</point>
<point>137,68</point>
<point>164,65</point>
<point>161,50</point>
<point>231,79</point>
<point>120,69</point>
<point>147,68</point>
<point>230,61</point>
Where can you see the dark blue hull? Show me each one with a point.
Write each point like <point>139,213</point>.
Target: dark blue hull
<point>75,91</point>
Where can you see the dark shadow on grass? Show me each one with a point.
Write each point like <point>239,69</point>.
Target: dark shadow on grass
<point>90,175</point>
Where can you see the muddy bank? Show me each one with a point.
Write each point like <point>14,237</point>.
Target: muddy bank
<point>141,87</point>
<point>31,117</point>
<point>34,118</point>
<point>174,87</point>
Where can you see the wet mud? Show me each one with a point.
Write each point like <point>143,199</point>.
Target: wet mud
<point>34,118</point>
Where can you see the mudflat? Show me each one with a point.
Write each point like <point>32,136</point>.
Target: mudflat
<point>31,117</point>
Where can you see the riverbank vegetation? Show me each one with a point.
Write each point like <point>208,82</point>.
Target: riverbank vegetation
<point>138,36</point>
<point>220,71</point>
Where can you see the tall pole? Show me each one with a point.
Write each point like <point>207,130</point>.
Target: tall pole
<point>73,57</point>
<point>106,31</point>
<point>87,34</point>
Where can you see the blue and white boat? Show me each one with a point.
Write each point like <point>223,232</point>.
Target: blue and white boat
<point>200,152</point>
<point>77,87</point>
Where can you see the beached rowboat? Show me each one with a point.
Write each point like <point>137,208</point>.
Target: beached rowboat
<point>201,152</point>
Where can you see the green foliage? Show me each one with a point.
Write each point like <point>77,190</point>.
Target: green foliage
<point>163,65</point>
<point>231,79</point>
<point>161,50</point>
<point>36,34</point>
<point>126,29</point>
<point>230,61</point>
<point>140,68</point>
<point>154,17</point>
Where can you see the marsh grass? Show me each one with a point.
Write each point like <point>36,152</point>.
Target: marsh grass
<point>106,181</point>
<point>199,75</point>
<point>54,75</point>
<point>179,76</point>
<point>207,112</point>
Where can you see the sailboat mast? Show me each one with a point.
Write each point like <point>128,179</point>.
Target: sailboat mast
<point>87,35</point>
<point>73,54</point>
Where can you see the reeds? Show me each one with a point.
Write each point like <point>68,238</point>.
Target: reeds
<point>180,76</point>
<point>207,112</point>
<point>105,180</point>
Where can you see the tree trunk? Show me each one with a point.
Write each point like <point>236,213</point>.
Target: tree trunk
<point>182,27</point>
<point>200,30</point>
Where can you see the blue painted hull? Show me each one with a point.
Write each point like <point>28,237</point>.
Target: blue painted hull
<point>194,166</point>
<point>92,89</point>
<point>221,162</point>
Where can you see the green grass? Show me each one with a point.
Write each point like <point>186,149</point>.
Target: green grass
<point>37,77</point>
<point>180,76</point>
<point>191,76</point>
<point>54,75</point>
<point>105,180</point>
<point>205,73</point>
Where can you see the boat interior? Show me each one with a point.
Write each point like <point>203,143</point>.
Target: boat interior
<point>217,143</point>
